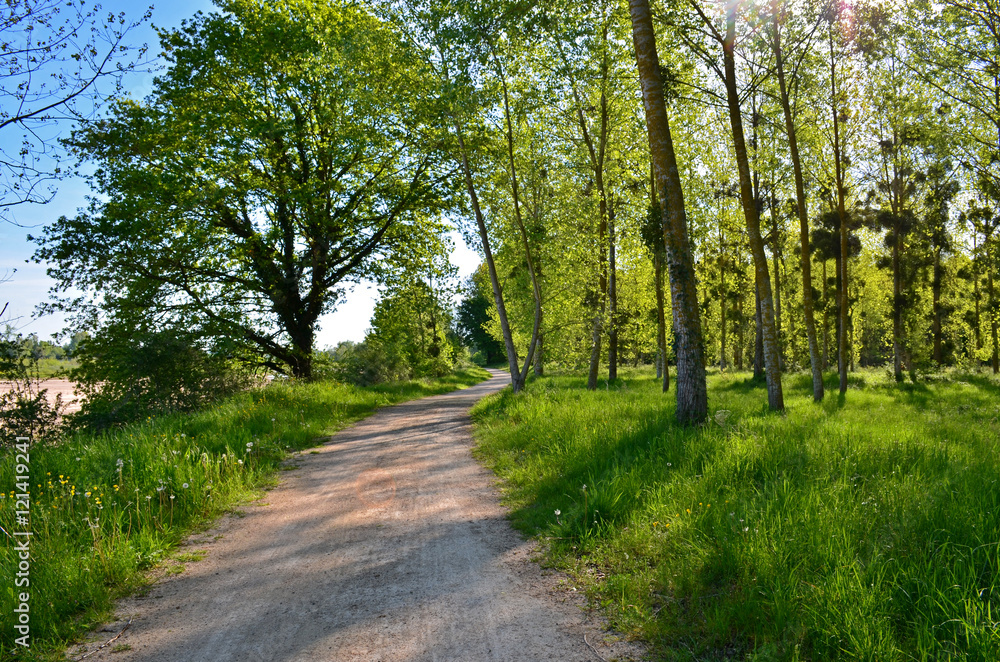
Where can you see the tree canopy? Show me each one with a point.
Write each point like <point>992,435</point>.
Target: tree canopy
<point>290,148</point>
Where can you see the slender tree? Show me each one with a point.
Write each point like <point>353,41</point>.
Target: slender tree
<point>801,208</point>
<point>692,391</point>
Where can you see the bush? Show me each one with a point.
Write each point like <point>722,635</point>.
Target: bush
<point>361,364</point>
<point>129,376</point>
<point>25,409</point>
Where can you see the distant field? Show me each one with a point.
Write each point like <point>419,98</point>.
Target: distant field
<point>54,387</point>
<point>49,368</point>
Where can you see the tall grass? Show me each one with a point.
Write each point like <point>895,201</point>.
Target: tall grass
<point>862,528</point>
<point>104,508</point>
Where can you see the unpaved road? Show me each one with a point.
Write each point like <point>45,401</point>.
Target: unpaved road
<point>389,545</point>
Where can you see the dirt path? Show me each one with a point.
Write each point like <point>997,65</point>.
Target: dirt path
<point>388,545</point>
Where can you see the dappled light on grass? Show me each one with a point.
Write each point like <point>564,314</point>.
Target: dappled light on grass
<point>866,529</point>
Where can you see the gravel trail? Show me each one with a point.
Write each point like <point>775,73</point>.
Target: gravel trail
<point>388,545</point>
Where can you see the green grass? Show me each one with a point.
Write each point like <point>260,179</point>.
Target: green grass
<point>106,508</point>
<point>55,368</point>
<point>862,528</point>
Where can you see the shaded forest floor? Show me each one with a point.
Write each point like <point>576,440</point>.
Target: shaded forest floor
<point>862,528</point>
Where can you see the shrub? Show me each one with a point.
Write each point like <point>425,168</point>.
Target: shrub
<point>126,376</point>
<point>25,409</point>
<point>361,364</point>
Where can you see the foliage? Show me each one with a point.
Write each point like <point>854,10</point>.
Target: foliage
<point>473,318</point>
<point>411,329</point>
<point>109,506</point>
<point>25,408</point>
<point>288,149</point>
<point>809,536</point>
<point>58,61</point>
<point>361,364</point>
<point>127,374</point>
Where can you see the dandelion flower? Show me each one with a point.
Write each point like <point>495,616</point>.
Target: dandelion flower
<point>185,486</point>
<point>558,512</point>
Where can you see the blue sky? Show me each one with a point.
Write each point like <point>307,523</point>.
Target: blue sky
<point>29,284</point>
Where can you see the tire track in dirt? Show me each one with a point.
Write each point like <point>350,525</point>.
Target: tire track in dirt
<point>389,545</point>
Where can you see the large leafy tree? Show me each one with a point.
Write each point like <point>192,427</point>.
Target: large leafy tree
<point>289,149</point>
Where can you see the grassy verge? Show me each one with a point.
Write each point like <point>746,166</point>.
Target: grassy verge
<point>106,508</point>
<point>862,528</point>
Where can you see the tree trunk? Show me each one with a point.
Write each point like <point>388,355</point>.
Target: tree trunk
<point>539,366</point>
<point>738,346</point>
<point>826,317</point>
<point>724,300</point>
<point>692,391</point>
<point>800,207</point>
<point>758,345</point>
<point>841,213</point>
<point>661,326</point>
<point>595,351</point>
<point>993,318</point>
<point>936,289</point>
<point>776,256</point>
<point>536,291</point>
<point>897,307</point>
<point>975,286</point>
<point>515,376</point>
<point>612,300</point>
<point>597,156</point>
<point>775,397</point>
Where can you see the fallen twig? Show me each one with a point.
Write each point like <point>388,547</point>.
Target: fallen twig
<point>593,649</point>
<point>108,642</point>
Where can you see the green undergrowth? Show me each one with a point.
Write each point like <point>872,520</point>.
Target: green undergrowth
<point>862,528</point>
<point>105,508</point>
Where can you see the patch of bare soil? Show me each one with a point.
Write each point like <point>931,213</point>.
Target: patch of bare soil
<point>388,545</point>
<point>63,387</point>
